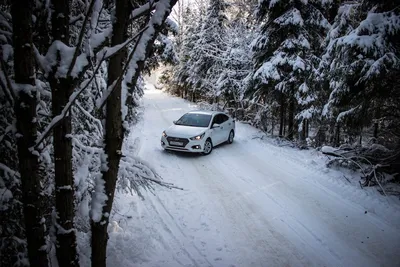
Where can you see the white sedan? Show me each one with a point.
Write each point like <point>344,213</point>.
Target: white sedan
<point>199,131</point>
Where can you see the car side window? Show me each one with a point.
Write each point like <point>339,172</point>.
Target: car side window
<point>217,119</point>
<point>224,118</point>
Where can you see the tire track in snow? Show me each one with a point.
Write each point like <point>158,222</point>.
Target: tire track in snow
<point>231,210</point>
<point>169,222</point>
<point>245,217</point>
<point>263,207</point>
<point>292,220</point>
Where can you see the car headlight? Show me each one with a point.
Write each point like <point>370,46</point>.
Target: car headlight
<point>198,137</point>
<point>164,134</point>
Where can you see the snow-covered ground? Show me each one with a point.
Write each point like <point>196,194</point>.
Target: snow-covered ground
<point>251,203</point>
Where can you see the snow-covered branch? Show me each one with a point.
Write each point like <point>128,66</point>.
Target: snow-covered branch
<point>80,38</point>
<point>9,171</point>
<point>57,119</point>
<point>143,10</point>
<point>102,101</point>
<point>7,86</point>
<point>162,10</point>
<point>135,174</point>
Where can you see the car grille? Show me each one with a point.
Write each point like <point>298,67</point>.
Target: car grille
<point>177,139</point>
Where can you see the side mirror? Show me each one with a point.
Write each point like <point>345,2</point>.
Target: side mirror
<point>174,122</point>
<point>215,125</point>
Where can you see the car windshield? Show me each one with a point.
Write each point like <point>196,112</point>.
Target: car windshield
<point>194,120</point>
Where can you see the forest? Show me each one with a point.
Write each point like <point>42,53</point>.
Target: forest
<point>71,75</point>
<point>311,73</point>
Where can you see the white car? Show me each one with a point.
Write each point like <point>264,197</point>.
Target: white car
<point>199,132</point>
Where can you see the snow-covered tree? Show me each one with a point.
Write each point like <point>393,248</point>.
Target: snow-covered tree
<point>236,66</point>
<point>205,57</point>
<point>286,54</point>
<point>181,77</point>
<point>69,78</point>
<point>362,56</point>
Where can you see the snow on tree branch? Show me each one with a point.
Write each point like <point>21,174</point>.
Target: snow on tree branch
<point>162,10</point>
<point>136,174</point>
<point>144,9</point>
<point>102,101</point>
<point>57,119</point>
<point>82,32</point>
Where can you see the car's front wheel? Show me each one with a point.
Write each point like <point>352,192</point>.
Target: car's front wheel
<point>208,147</point>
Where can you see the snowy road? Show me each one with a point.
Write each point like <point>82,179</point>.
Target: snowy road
<point>248,204</point>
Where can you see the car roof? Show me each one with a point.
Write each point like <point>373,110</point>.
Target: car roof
<point>206,112</point>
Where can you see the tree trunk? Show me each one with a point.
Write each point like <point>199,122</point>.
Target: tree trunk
<point>307,128</point>
<point>291,119</point>
<point>377,116</point>
<point>194,96</point>
<point>62,89</point>
<point>302,134</point>
<point>25,110</point>
<point>113,134</point>
<point>376,128</point>
<point>336,140</point>
<point>282,116</point>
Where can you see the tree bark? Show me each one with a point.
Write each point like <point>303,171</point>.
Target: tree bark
<point>377,116</point>
<point>307,128</point>
<point>336,140</point>
<point>282,115</point>
<point>302,134</point>
<point>25,110</point>
<point>113,133</point>
<point>62,89</point>
<point>291,119</point>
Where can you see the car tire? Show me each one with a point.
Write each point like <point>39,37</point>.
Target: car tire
<point>230,137</point>
<point>208,147</point>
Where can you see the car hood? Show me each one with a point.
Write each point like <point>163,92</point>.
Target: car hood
<point>184,131</point>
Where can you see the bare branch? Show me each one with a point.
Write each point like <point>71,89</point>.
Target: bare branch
<point>95,80</point>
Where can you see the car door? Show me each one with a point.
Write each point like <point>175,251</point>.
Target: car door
<point>226,126</point>
<point>217,132</point>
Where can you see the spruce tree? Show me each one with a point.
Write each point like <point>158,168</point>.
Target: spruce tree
<point>361,58</point>
<point>286,54</point>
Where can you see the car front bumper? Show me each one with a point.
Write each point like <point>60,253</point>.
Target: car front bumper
<point>193,146</point>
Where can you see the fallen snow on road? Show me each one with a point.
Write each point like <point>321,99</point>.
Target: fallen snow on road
<point>251,203</point>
